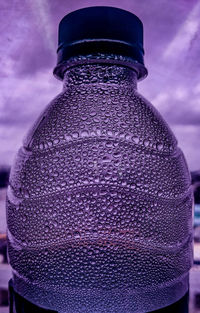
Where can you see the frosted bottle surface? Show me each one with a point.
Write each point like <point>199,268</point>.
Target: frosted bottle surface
<point>99,206</point>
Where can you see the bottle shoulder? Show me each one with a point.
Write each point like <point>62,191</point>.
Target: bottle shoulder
<point>102,110</point>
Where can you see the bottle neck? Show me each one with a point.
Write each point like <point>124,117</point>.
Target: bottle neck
<point>87,70</point>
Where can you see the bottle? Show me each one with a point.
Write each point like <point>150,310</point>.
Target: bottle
<point>99,203</point>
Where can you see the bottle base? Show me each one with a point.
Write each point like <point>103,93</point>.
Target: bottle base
<point>18,304</point>
<point>83,301</point>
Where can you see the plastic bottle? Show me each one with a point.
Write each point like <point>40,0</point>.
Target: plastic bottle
<point>99,204</point>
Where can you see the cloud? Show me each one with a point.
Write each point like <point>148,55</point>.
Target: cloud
<point>188,141</point>
<point>42,15</point>
<point>27,95</point>
<point>22,100</point>
<point>187,31</point>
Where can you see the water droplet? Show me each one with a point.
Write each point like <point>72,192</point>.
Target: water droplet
<point>46,229</point>
<point>77,234</point>
<point>93,113</point>
<point>84,133</point>
<point>146,143</point>
<point>135,139</point>
<point>159,146</point>
<point>75,135</point>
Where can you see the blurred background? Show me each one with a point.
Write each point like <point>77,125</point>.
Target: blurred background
<point>28,55</point>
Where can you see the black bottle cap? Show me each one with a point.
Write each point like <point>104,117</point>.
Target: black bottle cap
<point>100,29</point>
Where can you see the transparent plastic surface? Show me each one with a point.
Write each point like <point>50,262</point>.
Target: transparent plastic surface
<point>99,205</point>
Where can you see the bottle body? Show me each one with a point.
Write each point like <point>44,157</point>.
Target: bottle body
<point>99,206</point>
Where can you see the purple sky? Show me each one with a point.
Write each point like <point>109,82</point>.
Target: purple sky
<point>28,55</point>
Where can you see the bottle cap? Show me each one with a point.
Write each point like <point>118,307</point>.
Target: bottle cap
<point>100,29</point>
